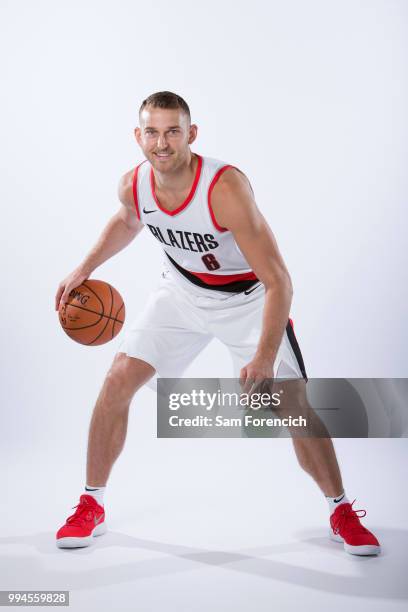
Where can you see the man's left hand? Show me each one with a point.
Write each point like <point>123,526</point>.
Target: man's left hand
<point>257,371</point>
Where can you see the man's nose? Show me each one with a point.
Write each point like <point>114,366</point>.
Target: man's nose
<point>162,142</point>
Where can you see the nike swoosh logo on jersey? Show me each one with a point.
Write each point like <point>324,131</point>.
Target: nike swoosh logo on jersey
<point>248,291</point>
<point>98,520</point>
<point>149,211</point>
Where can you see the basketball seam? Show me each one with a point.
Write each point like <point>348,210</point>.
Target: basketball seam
<point>108,317</point>
<point>97,313</point>
<point>113,326</point>
<point>83,327</point>
<point>96,295</point>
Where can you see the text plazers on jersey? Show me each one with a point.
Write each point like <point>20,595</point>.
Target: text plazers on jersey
<point>185,240</point>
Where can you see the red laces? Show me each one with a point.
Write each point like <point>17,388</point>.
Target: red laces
<point>347,517</point>
<point>84,513</point>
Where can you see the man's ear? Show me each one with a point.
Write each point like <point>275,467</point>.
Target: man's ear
<point>137,135</point>
<point>192,133</point>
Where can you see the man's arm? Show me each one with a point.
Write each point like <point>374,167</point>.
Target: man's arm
<point>234,208</point>
<point>121,229</point>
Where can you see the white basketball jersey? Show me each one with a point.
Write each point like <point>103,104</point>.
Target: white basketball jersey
<point>194,244</point>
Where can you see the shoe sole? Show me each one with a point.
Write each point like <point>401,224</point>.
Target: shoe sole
<point>366,549</point>
<point>82,542</point>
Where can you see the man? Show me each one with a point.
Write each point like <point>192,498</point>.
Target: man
<point>224,278</point>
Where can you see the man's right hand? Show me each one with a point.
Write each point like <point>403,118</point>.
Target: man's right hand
<point>72,281</point>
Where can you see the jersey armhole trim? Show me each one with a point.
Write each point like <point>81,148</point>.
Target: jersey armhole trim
<point>134,188</point>
<point>212,185</point>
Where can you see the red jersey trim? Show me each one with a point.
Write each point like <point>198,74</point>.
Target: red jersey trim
<point>218,279</point>
<point>211,187</point>
<point>134,188</point>
<point>190,195</point>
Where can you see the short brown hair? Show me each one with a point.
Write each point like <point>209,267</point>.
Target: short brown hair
<point>166,99</point>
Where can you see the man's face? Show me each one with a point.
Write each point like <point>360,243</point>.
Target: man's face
<point>164,136</point>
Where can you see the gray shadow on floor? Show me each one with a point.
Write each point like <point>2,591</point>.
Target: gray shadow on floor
<point>381,577</point>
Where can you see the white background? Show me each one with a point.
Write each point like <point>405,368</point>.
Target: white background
<point>308,98</point>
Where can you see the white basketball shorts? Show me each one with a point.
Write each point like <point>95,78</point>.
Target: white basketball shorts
<point>179,321</point>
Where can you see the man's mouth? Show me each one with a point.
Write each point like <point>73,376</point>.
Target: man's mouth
<point>163,155</point>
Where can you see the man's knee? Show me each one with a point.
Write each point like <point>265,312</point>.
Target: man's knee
<point>293,398</point>
<point>126,375</point>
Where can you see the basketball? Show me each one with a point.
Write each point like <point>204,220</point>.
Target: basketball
<point>93,314</point>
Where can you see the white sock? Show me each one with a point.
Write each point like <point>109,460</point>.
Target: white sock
<point>96,492</point>
<point>337,501</point>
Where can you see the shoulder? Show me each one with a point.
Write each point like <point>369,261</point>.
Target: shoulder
<point>232,199</point>
<point>231,182</point>
<point>125,188</point>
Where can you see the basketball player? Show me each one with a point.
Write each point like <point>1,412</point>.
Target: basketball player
<point>224,277</point>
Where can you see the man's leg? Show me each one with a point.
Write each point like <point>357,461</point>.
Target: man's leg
<point>107,435</point>
<point>314,448</point>
<point>318,458</point>
<point>316,455</point>
<point>108,427</point>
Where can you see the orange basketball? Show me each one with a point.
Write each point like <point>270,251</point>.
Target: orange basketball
<point>94,313</point>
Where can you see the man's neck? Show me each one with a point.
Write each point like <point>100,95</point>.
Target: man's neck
<point>178,181</point>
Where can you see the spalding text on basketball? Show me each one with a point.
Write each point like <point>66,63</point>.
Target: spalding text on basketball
<point>80,297</point>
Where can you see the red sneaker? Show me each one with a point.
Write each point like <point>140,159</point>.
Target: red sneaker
<point>86,522</point>
<point>346,527</point>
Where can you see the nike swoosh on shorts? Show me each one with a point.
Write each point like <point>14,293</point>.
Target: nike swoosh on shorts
<point>248,291</point>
